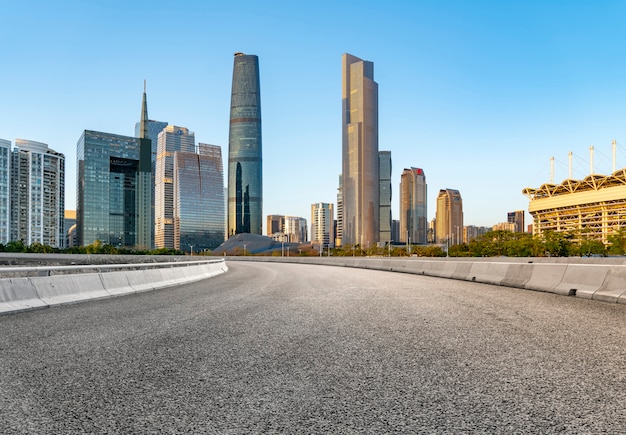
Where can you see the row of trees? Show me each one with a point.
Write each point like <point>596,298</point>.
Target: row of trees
<point>506,243</point>
<point>96,247</point>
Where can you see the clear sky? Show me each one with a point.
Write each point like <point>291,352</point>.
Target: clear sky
<point>480,94</point>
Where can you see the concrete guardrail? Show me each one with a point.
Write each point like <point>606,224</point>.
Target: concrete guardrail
<point>590,279</point>
<point>22,293</point>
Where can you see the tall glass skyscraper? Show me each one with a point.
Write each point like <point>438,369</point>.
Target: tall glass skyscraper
<point>37,194</point>
<point>199,199</point>
<point>111,203</point>
<point>150,129</point>
<point>245,175</point>
<point>413,220</point>
<point>360,179</point>
<point>171,140</point>
<point>384,190</point>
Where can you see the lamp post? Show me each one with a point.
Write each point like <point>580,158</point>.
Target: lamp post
<point>191,250</point>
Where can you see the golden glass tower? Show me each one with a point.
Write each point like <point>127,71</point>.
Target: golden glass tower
<point>360,180</point>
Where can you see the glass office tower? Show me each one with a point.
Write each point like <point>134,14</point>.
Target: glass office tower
<point>110,207</point>
<point>245,177</point>
<point>198,199</point>
<point>449,217</point>
<point>360,180</point>
<point>384,190</point>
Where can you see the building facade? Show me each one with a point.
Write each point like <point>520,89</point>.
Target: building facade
<point>517,219</point>
<point>5,189</point>
<point>275,224</point>
<point>37,189</point>
<point>413,218</point>
<point>384,190</point>
<point>339,225</point>
<point>295,230</point>
<point>198,199</point>
<point>591,209</point>
<point>322,224</point>
<point>172,139</point>
<point>245,175</point>
<point>449,217</point>
<point>112,204</point>
<point>360,175</point>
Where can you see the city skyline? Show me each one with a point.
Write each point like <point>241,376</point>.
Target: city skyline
<point>480,95</point>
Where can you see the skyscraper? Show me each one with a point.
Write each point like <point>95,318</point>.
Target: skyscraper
<point>413,223</point>
<point>449,218</point>
<point>295,229</point>
<point>37,190</point>
<point>149,129</point>
<point>322,224</point>
<point>198,198</point>
<point>171,140</point>
<point>111,203</point>
<point>339,229</point>
<point>5,184</point>
<point>245,175</point>
<point>360,179</point>
<point>384,182</point>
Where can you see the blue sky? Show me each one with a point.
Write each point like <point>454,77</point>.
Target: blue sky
<point>480,94</point>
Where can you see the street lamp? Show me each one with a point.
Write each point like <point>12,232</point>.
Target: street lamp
<point>191,250</point>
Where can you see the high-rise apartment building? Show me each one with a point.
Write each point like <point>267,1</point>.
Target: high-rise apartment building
<point>198,199</point>
<point>5,189</point>
<point>322,224</point>
<point>37,189</point>
<point>113,195</point>
<point>245,175</point>
<point>339,226</point>
<point>295,229</point>
<point>171,140</point>
<point>517,219</point>
<point>413,220</point>
<point>360,176</point>
<point>384,173</point>
<point>449,217</point>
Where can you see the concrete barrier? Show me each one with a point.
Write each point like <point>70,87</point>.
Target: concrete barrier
<point>27,293</point>
<point>592,278</point>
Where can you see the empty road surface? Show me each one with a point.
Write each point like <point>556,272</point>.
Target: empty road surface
<point>287,348</point>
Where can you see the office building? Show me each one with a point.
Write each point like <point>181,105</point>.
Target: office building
<point>449,217</point>
<point>360,179</point>
<point>37,189</point>
<point>5,189</point>
<point>295,229</point>
<point>413,220</point>
<point>395,230</point>
<point>245,175</point>
<point>172,139</point>
<point>384,183</point>
<point>113,192</point>
<point>150,129</point>
<point>322,224</point>
<point>517,219</point>
<point>198,199</point>
<point>275,224</point>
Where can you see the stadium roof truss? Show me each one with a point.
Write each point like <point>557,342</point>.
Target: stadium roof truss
<point>592,208</point>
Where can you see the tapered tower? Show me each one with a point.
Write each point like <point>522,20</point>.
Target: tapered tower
<point>245,175</point>
<point>360,171</point>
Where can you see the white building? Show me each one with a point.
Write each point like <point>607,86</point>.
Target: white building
<point>37,194</point>
<point>295,229</point>
<point>5,200</point>
<point>322,224</point>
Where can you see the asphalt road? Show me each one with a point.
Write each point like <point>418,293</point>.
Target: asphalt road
<point>289,348</point>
